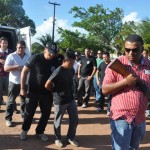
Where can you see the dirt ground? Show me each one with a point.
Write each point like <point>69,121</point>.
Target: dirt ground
<point>93,132</point>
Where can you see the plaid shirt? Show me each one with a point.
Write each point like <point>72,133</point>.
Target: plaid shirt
<point>3,55</point>
<point>129,103</point>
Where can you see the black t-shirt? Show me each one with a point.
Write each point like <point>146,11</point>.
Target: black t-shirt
<point>63,85</point>
<point>102,67</point>
<point>87,66</point>
<point>40,70</point>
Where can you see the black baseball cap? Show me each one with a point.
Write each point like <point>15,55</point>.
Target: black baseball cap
<point>77,53</point>
<point>52,48</point>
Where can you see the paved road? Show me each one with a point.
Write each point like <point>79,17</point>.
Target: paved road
<point>93,132</point>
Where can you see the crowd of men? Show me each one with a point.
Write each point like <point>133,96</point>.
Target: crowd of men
<point>48,79</point>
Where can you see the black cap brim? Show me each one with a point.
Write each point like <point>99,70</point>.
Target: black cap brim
<point>51,51</point>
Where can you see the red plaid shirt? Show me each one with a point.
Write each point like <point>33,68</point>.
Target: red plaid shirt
<point>129,103</point>
<point>3,56</point>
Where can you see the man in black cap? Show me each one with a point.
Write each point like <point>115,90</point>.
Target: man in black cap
<point>40,67</point>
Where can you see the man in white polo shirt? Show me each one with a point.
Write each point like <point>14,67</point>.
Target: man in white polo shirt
<point>14,64</point>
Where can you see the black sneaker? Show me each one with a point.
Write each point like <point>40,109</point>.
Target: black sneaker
<point>79,103</point>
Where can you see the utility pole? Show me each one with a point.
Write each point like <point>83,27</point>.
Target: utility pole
<point>53,19</point>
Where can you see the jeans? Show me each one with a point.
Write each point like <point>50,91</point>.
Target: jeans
<point>45,103</point>
<point>13,92</point>
<point>73,119</point>
<point>126,136</point>
<point>97,90</point>
<point>3,87</point>
<point>88,83</point>
<point>75,85</point>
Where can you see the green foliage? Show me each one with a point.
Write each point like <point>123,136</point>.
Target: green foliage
<point>68,38</point>
<point>44,39</point>
<point>127,28</point>
<point>102,26</point>
<point>102,23</point>
<point>13,14</point>
<point>144,30</point>
<point>37,48</point>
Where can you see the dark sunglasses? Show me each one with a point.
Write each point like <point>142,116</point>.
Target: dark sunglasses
<point>99,53</point>
<point>135,50</point>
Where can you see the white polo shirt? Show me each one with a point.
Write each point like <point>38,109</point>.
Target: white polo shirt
<point>76,65</point>
<point>15,59</point>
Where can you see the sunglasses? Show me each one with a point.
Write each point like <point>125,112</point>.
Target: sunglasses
<point>99,53</point>
<point>135,50</point>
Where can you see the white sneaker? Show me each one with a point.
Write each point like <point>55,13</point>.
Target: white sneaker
<point>23,135</point>
<point>147,113</point>
<point>84,105</point>
<point>8,123</point>
<point>73,142</point>
<point>43,137</point>
<point>58,143</point>
<point>108,113</point>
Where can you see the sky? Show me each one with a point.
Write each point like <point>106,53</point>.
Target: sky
<point>41,12</point>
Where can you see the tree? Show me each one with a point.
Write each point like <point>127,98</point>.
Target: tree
<point>13,14</point>
<point>73,39</point>
<point>38,47</point>
<point>144,30</point>
<point>103,25</point>
<point>127,28</point>
<point>44,39</point>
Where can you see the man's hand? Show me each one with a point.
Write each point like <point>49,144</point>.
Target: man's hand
<point>79,76</point>
<point>131,80</point>
<point>89,78</point>
<point>2,61</point>
<point>23,92</point>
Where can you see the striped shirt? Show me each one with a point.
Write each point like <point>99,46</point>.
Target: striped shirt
<point>129,103</point>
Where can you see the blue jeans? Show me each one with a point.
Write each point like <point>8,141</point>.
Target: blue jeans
<point>126,136</point>
<point>97,89</point>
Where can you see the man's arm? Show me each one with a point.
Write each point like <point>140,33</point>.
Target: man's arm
<point>2,61</point>
<point>115,87</point>
<point>79,70</point>
<point>23,79</point>
<point>49,85</point>
<point>8,68</point>
<point>93,72</point>
<point>97,77</point>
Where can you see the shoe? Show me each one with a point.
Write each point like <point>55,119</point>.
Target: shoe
<point>99,109</point>
<point>3,103</point>
<point>147,113</point>
<point>43,137</point>
<point>79,103</point>
<point>96,101</point>
<point>58,143</point>
<point>84,105</point>
<point>16,111</point>
<point>23,135</point>
<point>73,142</point>
<point>108,113</point>
<point>8,123</point>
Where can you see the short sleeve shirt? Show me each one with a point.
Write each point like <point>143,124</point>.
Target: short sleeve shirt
<point>87,65</point>
<point>40,70</point>
<point>15,59</point>
<point>62,85</point>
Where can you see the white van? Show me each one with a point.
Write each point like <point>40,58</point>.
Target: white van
<point>14,34</point>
